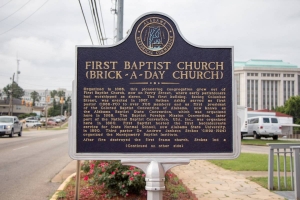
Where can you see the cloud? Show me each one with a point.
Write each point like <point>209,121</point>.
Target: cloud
<point>45,42</point>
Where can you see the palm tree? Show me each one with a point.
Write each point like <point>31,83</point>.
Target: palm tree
<point>35,97</point>
<point>53,93</point>
<point>61,94</point>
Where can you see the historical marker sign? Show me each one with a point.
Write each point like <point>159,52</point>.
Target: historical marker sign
<point>154,95</point>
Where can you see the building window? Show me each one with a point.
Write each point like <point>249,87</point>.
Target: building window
<point>284,91</point>
<point>256,95</point>
<point>269,94</point>
<point>292,86</point>
<point>252,74</point>
<point>289,89</point>
<point>237,80</point>
<point>252,94</point>
<point>248,93</point>
<point>276,94</point>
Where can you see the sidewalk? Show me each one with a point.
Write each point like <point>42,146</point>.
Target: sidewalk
<point>205,180</point>
<point>208,181</point>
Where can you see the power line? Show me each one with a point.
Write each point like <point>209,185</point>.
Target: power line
<point>85,22</point>
<point>94,22</point>
<point>98,21</point>
<point>5,4</point>
<point>25,18</point>
<point>15,11</point>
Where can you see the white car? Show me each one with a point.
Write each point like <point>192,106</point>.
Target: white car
<point>33,123</point>
<point>10,125</point>
<point>57,120</point>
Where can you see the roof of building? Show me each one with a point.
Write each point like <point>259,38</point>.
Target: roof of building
<point>264,63</point>
<point>278,114</point>
<point>5,101</point>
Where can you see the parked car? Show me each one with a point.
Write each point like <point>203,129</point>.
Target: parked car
<point>264,126</point>
<point>43,120</point>
<point>58,120</point>
<point>33,123</point>
<point>61,117</point>
<point>10,125</point>
<point>51,122</point>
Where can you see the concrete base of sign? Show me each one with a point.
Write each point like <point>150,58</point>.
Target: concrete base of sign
<point>155,174</point>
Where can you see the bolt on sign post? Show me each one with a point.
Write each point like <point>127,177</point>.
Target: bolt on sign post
<point>154,98</point>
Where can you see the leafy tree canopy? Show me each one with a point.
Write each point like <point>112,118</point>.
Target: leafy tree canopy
<point>291,107</point>
<point>17,91</point>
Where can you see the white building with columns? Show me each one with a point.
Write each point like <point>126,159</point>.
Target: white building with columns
<point>265,84</point>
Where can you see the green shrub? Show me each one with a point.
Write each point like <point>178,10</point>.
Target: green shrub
<point>23,116</point>
<point>116,178</point>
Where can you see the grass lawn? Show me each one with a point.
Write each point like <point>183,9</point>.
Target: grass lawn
<point>256,162</point>
<point>263,181</point>
<point>263,142</point>
<point>250,162</point>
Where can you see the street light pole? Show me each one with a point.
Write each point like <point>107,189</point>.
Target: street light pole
<point>46,109</point>
<point>11,97</point>
<point>120,20</point>
<point>61,108</point>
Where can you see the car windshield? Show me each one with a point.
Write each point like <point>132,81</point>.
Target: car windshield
<point>6,119</point>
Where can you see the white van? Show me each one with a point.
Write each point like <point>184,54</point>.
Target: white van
<point>264,126</point>
<point>242,113</point>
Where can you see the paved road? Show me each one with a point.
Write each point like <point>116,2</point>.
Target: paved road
<point>255,149</point>
<point>28,163</point>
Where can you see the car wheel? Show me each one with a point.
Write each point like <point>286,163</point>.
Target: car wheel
<point>12,133</point>
<point>256,136</point>
<point>275,137</point>
<point>20,133</point>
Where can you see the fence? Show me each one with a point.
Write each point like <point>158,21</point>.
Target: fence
<point>295,135</point>
<point>292,151</point>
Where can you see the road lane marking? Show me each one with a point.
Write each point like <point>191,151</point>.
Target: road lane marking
<point>20,148</point>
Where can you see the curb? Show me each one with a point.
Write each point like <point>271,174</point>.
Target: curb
<point>62,186</point>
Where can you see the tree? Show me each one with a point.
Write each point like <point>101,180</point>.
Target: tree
<point>61,94</point>
<point>53,93</point>
<point>291,107</point>
<point>35,97</point>
<point>54,111</point>
<point>69,105</point>
<point>18,92</point>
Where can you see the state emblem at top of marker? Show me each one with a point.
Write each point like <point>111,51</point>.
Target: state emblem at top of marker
<point>154,36</point>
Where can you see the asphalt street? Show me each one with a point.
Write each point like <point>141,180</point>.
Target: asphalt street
<point>28,163</point>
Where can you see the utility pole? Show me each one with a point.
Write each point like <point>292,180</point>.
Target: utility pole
<point>18,72</point>
<point>120,20</point>
<point>11,97</point>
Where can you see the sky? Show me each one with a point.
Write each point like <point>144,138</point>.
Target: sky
<point>42,34</point>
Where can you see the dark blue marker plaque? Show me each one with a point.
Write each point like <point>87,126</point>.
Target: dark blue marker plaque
<point>154,94</point>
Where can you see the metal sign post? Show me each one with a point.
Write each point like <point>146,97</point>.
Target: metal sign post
<point>155,174</point>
